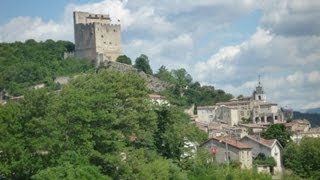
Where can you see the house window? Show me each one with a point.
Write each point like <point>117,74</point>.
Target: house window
<point>114,30</point>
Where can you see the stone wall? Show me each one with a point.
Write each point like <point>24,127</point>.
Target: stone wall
<point>96,38</point>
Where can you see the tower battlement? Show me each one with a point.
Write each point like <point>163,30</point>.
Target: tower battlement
<point>96,38</point>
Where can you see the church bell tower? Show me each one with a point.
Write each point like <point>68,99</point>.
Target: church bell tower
<point>258,94</point>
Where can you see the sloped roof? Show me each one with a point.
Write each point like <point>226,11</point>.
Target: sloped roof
<point>230,141</point>
<point>266,142</point>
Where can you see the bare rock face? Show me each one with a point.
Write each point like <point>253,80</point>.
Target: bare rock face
<point>153,83</point>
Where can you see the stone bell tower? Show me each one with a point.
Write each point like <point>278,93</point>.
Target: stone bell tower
<point>258,94</point>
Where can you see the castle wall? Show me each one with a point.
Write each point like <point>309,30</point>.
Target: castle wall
<point>85,41</point>
<point>108,40</point>
<point>87,18</point>
<point>95,38</point>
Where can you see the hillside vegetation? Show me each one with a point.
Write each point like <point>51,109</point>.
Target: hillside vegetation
<point>23,65</point>
<point>101,125</point>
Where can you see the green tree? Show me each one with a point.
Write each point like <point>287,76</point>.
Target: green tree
<point>292,157</point>
<point>124,59</point>
<point>142,64</point>
<point>23,65</point>
<point>310,156</point>
<point>174,132</point>
<point>303,159</point>
<point>261,159</point>
<point>279,132</point>
<point>165,75</point>
<point>71,166</point>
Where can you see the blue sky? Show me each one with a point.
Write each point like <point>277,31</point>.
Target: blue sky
<point>225,43</point>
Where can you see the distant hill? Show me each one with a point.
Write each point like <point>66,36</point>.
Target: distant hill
<point>314,118</point>
<point>313,110</point>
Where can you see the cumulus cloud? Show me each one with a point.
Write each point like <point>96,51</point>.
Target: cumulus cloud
<point>292,17</point>
<point>290,70</point>
<point>190,34</point>
<point>22,28</point>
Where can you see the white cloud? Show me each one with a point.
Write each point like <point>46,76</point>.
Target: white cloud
<point>314,77</point>
<point>191,34</point>
<point>22,28</point>
<point>289,69</point>
<point>292,17</point>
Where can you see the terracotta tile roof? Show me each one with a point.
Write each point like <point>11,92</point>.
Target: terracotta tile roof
<point>233,142</point>
<point>266,142</point>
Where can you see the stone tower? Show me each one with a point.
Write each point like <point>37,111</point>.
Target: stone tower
<point>96,38</point>
<point>258,94</point>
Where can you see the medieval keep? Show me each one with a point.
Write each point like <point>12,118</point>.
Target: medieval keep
<point>96,38</point>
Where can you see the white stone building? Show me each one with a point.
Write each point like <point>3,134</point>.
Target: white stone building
<point>206,114</point>
<point>270,148</point>
<point>255,109</point>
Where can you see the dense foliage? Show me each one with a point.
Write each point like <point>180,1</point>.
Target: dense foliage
<point>142,64</point>
<point>105,117</point>
<point>102,126</point>
<point>262,159</point>
<point>185,92</point>
<point>124,59</point>
<point>303,159</point>
<point>23,65</point>
<point>279,132</point>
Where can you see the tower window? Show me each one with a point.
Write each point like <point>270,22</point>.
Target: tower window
<point>114,30</point>
<point>102,36</point>
<point>259,97</point>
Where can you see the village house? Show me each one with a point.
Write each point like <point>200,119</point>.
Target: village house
<point>227,150</point>
<point>312,132</point>
<point>270,148</point>
<point>298,125</point>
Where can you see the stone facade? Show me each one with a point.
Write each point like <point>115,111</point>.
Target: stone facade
<point>256,108</point>
<point>270,148</point>
<point>96,38</point>
<point>222,114</point>
<point>206,114</point>
<point>227,115</point>
<point>227,150</point>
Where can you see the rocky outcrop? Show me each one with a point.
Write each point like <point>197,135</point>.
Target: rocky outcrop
<point>153,83</point>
